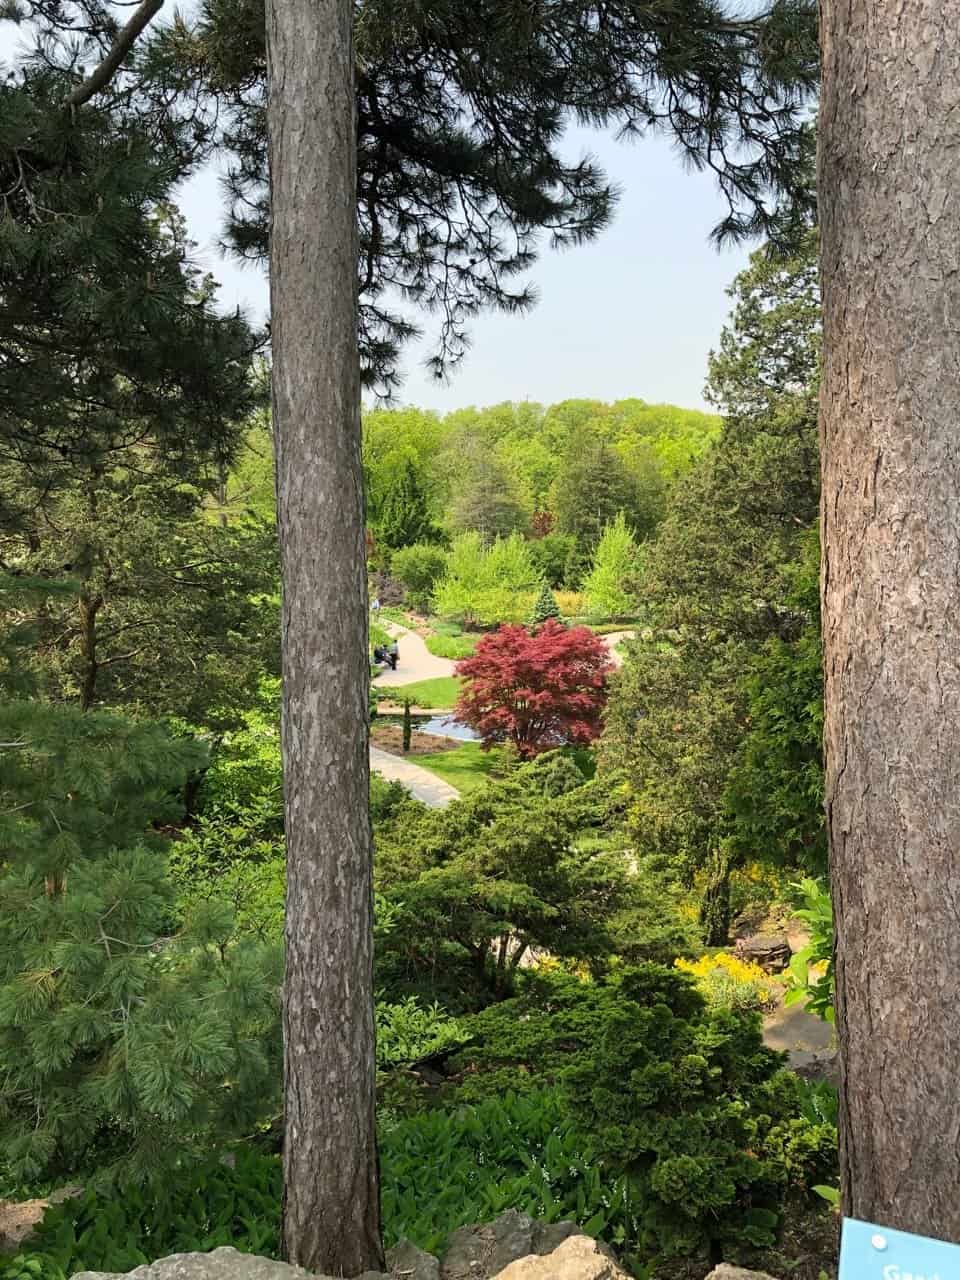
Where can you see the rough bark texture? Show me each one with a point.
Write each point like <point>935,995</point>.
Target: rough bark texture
<point>890,412</point>
<point>331,1198</point>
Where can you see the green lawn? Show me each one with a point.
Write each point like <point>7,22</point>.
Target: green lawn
<point>465,768</point>
<point>451,646</point>
<point>440,693</point>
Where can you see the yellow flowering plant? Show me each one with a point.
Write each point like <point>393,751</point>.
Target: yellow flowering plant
<point>727,982</point>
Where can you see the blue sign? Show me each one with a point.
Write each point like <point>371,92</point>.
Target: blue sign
<point>876,1253</point>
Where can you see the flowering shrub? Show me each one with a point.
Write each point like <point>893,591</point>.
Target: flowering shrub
<point>727,982</point>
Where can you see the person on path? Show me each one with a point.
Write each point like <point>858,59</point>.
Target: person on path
<point>394,652</point>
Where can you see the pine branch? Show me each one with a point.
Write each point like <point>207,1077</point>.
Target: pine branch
<point>114,59</point>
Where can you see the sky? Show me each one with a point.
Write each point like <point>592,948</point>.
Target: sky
<point>634,313</point>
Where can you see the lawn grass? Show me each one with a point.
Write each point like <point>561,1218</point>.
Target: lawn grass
<point>438,694</point>
<point>466,767</point>
<point>447,646</point>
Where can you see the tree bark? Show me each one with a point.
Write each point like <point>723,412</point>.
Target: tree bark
<point>890,225</point>
<point>89,607</point>
<point>331,1192</point>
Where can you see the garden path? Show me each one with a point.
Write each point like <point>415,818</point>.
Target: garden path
<point>421,783</point>
<point>612,640</point>
<point>415,663</point>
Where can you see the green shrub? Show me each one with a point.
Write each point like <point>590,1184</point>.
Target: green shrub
<point>485,585</point>
<point>811,970</point>
<point>120,1025</point>
<point>419,567</point>
<point>683,1101</point>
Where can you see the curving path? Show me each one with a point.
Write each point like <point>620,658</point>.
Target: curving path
<point>421,783</point>
<point>415,663</point>
<point>612,640</point>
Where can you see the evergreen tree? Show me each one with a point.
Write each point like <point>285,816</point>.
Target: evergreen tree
<point>544,607</point>
<point>331,1183</point>
<point>119,1030</point>
<point>402,516</point>
<point>612,584</point>
<point>108,332</point>
<point>594,486</point>
<point>719,581</point>
<point>164,610</point>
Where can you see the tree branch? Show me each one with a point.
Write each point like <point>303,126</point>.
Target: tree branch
<point>112,62</point>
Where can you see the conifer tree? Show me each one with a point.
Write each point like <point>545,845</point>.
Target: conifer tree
<point>120,1028</point>
<point>109,335</point>
<point>545,606</point>
<point>162,610</point>
<point>403,514</point>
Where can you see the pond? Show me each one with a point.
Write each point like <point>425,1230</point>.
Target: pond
<point>443,726</point>
<point>447,727</point>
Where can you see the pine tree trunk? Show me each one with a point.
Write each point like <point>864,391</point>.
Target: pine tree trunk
<point>331,1193</point>
<point>890,219</point>
<point>89,607</point>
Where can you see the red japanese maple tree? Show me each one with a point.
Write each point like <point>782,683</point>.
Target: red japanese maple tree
<point>537,689</point>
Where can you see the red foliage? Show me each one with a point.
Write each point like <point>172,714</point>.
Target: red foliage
<point>541,524</point>
<point>537,689</point>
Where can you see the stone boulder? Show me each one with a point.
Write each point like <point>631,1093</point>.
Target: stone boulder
<point>19,1217</point>
<point>578,1258</point>
<point>408,1262</point>
<point>218,1264</point>
<point>514,1247</point>
<point>770,951</point>
<point>479,1253</point>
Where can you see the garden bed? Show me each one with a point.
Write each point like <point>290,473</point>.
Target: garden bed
<point>389,737</point>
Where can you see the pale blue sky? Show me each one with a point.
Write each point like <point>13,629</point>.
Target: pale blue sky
<point>632,314</point>
<point>635,313</point>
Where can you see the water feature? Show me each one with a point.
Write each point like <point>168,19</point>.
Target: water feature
<point>446,727</point>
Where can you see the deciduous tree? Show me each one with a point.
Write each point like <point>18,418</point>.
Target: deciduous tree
<point>535,690</point>
<point>611,585</point>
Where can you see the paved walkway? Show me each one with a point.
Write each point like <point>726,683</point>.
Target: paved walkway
<point>421,783</point>
<point>612,640</point>
<point>415,663</point>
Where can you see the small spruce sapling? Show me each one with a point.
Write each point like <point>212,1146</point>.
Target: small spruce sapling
<point>545,606</point>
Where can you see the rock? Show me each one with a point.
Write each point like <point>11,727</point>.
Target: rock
<point>577,1258</point>
<point>17,1221</point>
<point>19,1217</point>
<point>407,1262</point>
<point>479,1253</point>
<point>726,1272</point>
<point>822,1064</point>
<point>219,1264</point>
<point>771,952</point>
